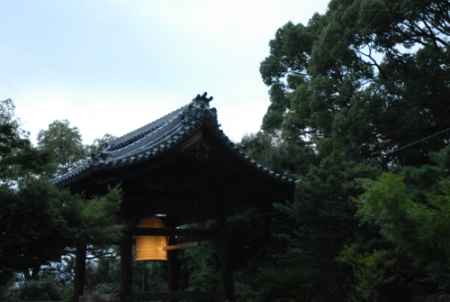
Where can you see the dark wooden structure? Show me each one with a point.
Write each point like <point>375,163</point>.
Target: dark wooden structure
<point>183,166</point>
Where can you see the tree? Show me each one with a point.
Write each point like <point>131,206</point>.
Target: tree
<point>18,157</point>
<point>63,144</point>
<point>350,91</point>
<point>368,76</point>
<point>98,144</point>
<point>38,222</point>
<point>409,210</point>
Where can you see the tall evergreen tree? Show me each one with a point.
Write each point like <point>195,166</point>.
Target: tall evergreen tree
<point>352,90</point>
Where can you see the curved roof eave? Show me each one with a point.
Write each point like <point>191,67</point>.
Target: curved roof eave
<point>157,137</point>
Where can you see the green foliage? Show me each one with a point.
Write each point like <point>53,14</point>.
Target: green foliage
<point>106,274</point>
<point>63,144</point>
<point>370,272</point>
<point>17,156</point>
<point>348,91</point>
<point>371,75</point>
<point>38,221</point>
<point>45,290</point>
<point>35,290</point>
<point>316,226</point>
<point>413,217</point>
<point>32,217</point>
<point>400,251</point>
<point>281,154</point>
<point>98,144</point>
<point>103,273</point>
<point>150,277</point>
<point>98,219</point>
<point>203,267</point>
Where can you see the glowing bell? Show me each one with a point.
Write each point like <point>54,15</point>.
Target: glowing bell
<point>151,247</point>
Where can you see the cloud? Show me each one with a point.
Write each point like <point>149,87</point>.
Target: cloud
<point>96,113</point>
<point>112,66</point>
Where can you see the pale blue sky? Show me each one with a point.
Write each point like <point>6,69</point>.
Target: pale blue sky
<point>114,65</point>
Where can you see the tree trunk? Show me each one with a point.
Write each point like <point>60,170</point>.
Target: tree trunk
<point>80,272</point>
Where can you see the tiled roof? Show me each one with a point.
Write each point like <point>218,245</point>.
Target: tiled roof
<point>157,137</point>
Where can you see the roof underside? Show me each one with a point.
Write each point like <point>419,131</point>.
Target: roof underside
<point>158,137</point>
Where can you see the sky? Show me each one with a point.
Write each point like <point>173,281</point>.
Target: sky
<point>110,66</point>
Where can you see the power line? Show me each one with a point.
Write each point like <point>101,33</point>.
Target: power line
<point>417,141</point>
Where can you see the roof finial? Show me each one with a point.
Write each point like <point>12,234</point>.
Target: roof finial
<point>202,100</point>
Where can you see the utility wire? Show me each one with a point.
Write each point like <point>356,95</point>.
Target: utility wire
<point>417,142</point>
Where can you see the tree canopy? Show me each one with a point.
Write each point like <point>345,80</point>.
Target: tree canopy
<point>369,76</point>
<point>359,112</point>
<point>38,221</point>
<point>63,144</point>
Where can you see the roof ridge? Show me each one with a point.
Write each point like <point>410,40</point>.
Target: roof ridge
<point>200,102</point>
<point>138,139</point>
<point>140,132</point>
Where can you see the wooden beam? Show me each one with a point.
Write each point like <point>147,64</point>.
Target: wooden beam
<point>152,231</point>
<point>173,270</point>
<point>223,249</point>
<point>181,246</point>
<point>193,234</point>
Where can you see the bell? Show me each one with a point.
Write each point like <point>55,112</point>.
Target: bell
<point>150,248</point>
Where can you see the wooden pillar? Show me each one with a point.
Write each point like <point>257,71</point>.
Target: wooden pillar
<point>173,268</point>
<point>126,267</point>
<point>80,272</point>
<point>228,280</point>
<point>226,266</point>
<point>223,251</point>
